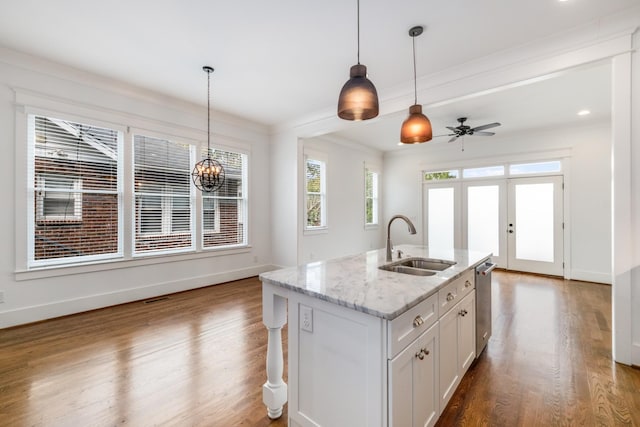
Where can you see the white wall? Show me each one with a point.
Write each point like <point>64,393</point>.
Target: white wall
<point>635,199</point>
<point>32,296</point>
<point>346,233</point>
<point>283,177</point>
<point>589,184</point>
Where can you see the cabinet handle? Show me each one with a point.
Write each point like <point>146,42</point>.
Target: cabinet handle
<point>422,353</point>
<point>418,321</point>
<point>467,284</point>
<point>450,297</point>
<point>463,313</point>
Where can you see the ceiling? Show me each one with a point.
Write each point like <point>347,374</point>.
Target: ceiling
<point>281,60</point>
<point>548,103</point>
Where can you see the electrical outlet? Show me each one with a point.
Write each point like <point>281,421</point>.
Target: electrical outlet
<point>1,297</point>
<point>306,318</point>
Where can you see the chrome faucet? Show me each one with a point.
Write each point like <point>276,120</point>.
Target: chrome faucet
<point>412,230</point>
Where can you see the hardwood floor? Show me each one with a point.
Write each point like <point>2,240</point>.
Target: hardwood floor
<point>197,359</point>
<point>194,359</point>
<point>548,362</point>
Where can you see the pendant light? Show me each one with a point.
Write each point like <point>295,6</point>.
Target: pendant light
<point>208,174</point>
<point>358,98</point>
<point>417,127</point>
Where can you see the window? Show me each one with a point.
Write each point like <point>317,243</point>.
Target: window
<point>371,197</point>
<point>75,179</point>
<point>224,211</point>
<point>535,168</point>
<point>58,198</point>
<point>440,175</point>
<point>315,185</point>
<point>163,195</point>
<point>75,198</point>
<point>483,172</point>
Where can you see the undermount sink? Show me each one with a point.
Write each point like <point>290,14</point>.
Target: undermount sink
<point>418,266</point>
<point>407,270</point>
<point>427,264</point>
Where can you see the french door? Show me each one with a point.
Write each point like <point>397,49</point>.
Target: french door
<point>519,220</point>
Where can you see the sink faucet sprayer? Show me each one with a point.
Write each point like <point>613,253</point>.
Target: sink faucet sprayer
<point>412,230</point>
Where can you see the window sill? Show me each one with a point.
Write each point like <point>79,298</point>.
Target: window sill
<point>371,226</point>
<point>111,264</point>
<point>315,230</point>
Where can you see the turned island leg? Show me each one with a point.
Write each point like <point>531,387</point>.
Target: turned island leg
<point>274,316</point>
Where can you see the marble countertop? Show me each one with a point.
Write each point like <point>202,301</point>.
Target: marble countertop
<point>357,282</point>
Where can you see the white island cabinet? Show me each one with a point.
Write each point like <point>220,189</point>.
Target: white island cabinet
<point>367,347</point>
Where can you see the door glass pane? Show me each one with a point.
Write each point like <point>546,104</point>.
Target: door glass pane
<point>534,222</point>
<point>482,219</point>
<point>441,216</point>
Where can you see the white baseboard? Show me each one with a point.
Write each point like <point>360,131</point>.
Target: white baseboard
<point>36,313</point>
<point>591,276</point>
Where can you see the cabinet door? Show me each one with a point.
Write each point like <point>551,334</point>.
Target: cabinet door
<point>413,382</point>
<point>466,332</point>
<point>449,365</point>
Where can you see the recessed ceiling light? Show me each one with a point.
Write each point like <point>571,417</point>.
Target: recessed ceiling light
<point>562,1</point>
<point>583,112</point>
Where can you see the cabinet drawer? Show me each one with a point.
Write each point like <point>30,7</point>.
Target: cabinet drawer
<point>451,294</point>
<point>408,326</point>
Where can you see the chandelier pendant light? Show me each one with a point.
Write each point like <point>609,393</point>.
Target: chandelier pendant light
<point>417,127</point>
<point>358,98</point>
<point>208,174</point>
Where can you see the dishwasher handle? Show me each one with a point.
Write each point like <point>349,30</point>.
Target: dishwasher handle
<point>490,266</point>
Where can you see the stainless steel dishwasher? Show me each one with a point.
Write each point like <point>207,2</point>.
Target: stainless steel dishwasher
<point>483,305</point>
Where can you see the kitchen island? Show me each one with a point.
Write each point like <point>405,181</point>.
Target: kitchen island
<point>367,346</point>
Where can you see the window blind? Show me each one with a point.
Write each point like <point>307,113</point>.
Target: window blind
<point>74,175</point>
<point>163,195</point>
<point>224,211</point>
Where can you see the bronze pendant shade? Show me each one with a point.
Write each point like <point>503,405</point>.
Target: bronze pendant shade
<point>417,127</point>
<point>358,98</point>
<point>208,174</point>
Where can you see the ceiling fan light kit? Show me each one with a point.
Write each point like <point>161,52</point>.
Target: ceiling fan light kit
<point>416,128</point>
<point>358,98</point>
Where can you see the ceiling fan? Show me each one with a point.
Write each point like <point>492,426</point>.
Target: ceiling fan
<point>462,130</point>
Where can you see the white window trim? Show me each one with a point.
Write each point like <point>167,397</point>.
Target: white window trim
<point>323,160</point>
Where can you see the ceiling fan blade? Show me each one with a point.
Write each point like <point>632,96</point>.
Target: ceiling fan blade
<point>452,129</point>
<point>445,134</point>
<point>487,126</point>
<point>453,139</point>
<point>484,133</point>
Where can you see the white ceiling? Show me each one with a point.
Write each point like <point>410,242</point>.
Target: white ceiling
<point>548,103</point>
<point>280,60</point>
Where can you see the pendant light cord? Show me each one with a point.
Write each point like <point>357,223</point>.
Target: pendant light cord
<point>358,32</point>
<point>415,78</point>
<point>208,114</point>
